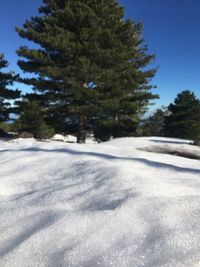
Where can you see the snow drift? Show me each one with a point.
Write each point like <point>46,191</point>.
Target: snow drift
<point>98,204</point>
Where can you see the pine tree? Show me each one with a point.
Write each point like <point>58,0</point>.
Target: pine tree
<point>89,67</point>
<point>184,118</point>
<point>32,121</point>
<point>154,124</point>
<point>6,94</point>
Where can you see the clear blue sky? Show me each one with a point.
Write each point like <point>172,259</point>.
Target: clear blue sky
<point>171,30</point>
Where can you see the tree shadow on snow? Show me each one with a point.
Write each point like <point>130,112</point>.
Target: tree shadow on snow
<point>170,142</point>
<point>147,162</point>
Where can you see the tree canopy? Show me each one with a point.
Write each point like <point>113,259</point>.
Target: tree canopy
<point>184,117</point>
<point>6,94</point>
<point>90,68</point>
<point>154,124</point>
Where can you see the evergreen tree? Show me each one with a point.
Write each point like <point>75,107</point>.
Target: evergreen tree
<point>6,94</point>
<point>184,117</point>
<point>154,125</point>
<point>32,121</point>
<point>89,67</point>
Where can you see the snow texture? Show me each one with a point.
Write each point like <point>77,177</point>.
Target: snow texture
<point>109,204</point>
<point>67,138</point>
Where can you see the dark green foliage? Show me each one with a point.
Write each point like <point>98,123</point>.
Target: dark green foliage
<point>154,125</point>
<point>4,134</point>
<point>6,94</point>
<point>103,131</point>
<point>184,118</point>
<point>31,121</point>
<point>6,127</point>
<point>90,67</point>
<point>196,143</point>
<point>118,127</point>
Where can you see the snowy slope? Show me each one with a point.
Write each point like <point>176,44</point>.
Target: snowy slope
<point>110,204</point>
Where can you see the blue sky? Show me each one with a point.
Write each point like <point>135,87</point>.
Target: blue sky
<point>171,31</point>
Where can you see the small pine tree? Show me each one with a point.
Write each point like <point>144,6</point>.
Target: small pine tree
<point>31,120</point>
<point>154,125</point>
<point>184,117</point>
<point>6,94</point>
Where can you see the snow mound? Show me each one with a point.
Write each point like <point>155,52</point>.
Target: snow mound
<point>62,138</point>
<point>91,205</point>
<point>70,138</point>
<point>58,137</point>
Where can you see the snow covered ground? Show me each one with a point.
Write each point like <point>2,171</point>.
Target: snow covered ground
<point>109,204</point>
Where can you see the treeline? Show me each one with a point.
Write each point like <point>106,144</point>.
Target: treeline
<point>181,119</point>
<point>90,73</point>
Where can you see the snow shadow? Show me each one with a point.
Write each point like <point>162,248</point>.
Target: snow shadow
<point>45,220</point>
<point>109,201</point>
<point>148,162</point>
<point>170,151</point>
<point>170,141</point>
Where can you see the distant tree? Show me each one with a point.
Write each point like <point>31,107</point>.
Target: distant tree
<point>91,66</point>
<point>184,117</point>
<point>102,131</point>
<point>154,124</point>
<point>32,121</point>
<point>7,127</point>
<point>106,128</point>
<point>6,94</point>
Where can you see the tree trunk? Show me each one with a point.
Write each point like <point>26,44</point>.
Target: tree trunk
<point>81,136</point>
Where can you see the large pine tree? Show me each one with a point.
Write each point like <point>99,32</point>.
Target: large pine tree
<point>6,94</point>
<point>184,117</point>
<point>91,66</point>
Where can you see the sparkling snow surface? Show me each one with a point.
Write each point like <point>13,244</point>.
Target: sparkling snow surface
<point>67,205</point>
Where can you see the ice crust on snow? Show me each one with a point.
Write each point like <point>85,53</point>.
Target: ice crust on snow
<point>109,204</point>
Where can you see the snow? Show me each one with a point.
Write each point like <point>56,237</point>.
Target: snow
<point>71,139</point>
<point>58,137</point>
<point>62,138</point>
<point>109,204</point>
